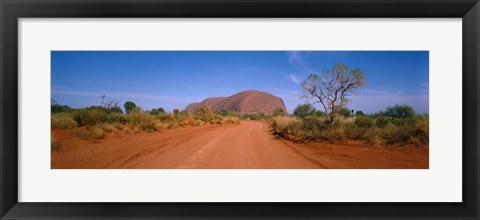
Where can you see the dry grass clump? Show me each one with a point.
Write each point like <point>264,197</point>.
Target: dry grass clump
<point>285,125</point>
<point>118,126</point>
<point>54,143</point>
<point>142,121</point>
<point>90,132</point>
<point>89,116</point>
<point>189,120</point>
<point>165,118</point>
<point>62,120</point>
<point>116,118</point>
<point>97,132</point>
<point>109,128</point>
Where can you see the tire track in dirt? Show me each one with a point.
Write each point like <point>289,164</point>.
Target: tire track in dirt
<point>242,146</point>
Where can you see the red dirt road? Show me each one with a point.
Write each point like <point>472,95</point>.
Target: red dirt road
<point>240,146</point>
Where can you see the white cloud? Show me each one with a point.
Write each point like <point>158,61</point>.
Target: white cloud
<point>129,95</point>
<point>294,56</point>
<point>294,78</point>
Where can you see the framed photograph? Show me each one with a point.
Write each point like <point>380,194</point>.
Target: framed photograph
<point>227,109</point>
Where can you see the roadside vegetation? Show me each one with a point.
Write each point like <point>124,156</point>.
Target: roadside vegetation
<point>96,122</point>
<point>397,125</point>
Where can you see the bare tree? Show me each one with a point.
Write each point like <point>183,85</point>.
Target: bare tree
<point>109,103</point>
<point>333,87</point>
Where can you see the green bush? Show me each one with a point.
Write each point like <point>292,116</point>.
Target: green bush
<point>62,120</point>
<point>363,121</point>
<point>279,112</point>
<point>256,116</point>
<point>304,110</point>
<point>156,111</point>
<point>345,112</point>
<point>60,108</point>
<point>225,112</point>
<point>129,106</point>
<point>57,108</point>
<point>399,111</point>
<point>89,116</point>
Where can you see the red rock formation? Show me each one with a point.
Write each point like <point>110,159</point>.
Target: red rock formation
<point>246,102</point>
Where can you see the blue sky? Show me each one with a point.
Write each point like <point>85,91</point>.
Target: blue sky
<point>173,79</point>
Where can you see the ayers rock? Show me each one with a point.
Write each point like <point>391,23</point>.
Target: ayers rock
<point>246,102</point>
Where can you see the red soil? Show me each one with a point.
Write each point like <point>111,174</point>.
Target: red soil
<point>247,145</point>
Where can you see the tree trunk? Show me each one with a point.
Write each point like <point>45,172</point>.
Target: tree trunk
<point>332,119</point>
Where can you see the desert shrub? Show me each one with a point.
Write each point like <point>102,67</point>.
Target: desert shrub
<point>345,112</point>
<point>363,121</point>
<point>89,116</point>
<point>354,132</point>
<point>399,111</point>
<point>421,131</point>
<point>129,106</point>
<point>142,121</point>
<point>56,108</point>
<point>225,112</point>
<point>54,143</point>
<point>314,123</point>
<point>256,116</point>
<point>412,130</point>
<point>333,134</point>
<point>156,111</point>
<point>165,118</point>
<point>116,109</point>
<point>319,113</point>
<point>62,120</point>
<point>392,134</point>
<point>372,136</point>
<point>116,118</point>
<point>304,110</point>
<point>382,121</point>
<point>190,120</point>
<point>205,114</point>
<point>231,120</point>
<point>222,112</point>
<point>199,123</point>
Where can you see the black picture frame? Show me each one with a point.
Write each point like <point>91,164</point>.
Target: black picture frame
<point>12,10</point>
